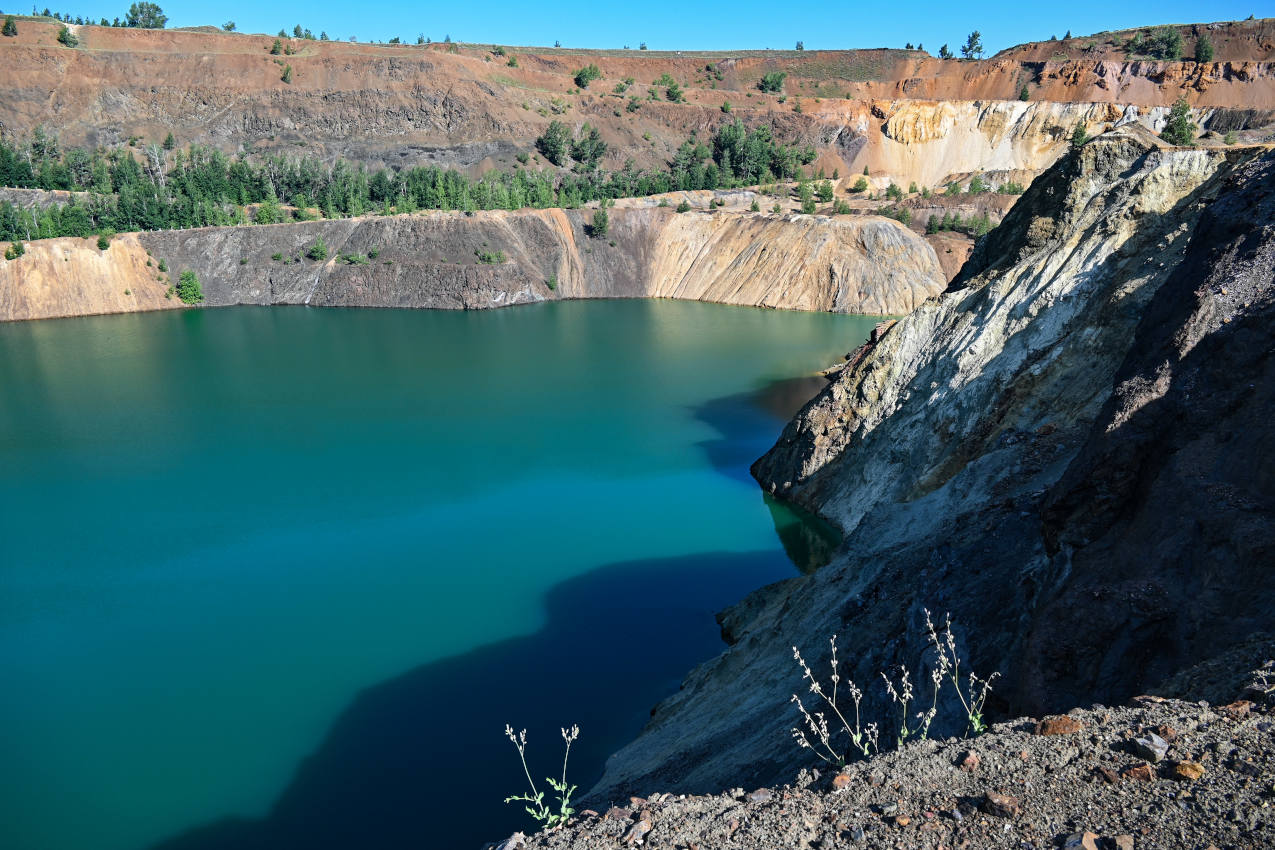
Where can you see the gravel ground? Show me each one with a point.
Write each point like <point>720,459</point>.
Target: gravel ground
<point>1089,779</point>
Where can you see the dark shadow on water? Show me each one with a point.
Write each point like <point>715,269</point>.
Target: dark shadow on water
<point>420,761</point>
<point>748,425</point>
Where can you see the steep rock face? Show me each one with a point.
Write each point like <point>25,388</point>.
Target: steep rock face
<point>72,277</point>
<point>939,451</point>
<point>861,264</point>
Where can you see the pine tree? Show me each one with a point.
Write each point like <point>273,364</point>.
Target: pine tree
<point>10,26</point>
<point>287,74</point>
<point>1079,137</point>
<point>973,48</point>
<point>1203,49</point>
<point>1179,130</point>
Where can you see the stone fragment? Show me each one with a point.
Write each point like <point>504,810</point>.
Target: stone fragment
<point>841,782</point>
<point>969,761</point>
<point>517,841</point>
<point>1237,710</point>
<point>1000,805</point>
<point>1123,842</point>
<point>1058,724</point>
<point>1138,773</point>
<point>902,820</point>
<point>761,795</point>
<point>1186,771</point>
<point>1107,774</point>
<point>617,813</point>
<point>637,832</point>
<point>1081,841</point>
<point>1166,732</point>
<point>1151,747</point>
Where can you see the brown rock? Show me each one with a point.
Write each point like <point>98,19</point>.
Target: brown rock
<point>637,831</point>
<point>617,813</point>
<point>902,820</point>
<point>1186,771</point>
<point>1138,773</point>
<point>1107,774</point>
<point>841,782</point>
<point>1237,710</point>
<point>969,761</point>
<point>1081,841</point>
<point>1058,724</point>
<point>1000,805</point>
<point>1166,732</point>
<point>1123,842</point>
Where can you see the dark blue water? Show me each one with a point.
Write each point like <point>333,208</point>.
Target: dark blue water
<point>279,577</point>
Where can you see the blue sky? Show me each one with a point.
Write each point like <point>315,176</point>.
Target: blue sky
<point>743,24</point>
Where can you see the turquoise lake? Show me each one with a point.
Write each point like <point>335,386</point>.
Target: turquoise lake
<point>278,577</point>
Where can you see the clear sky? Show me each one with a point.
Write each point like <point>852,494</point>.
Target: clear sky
<point>743,24</point>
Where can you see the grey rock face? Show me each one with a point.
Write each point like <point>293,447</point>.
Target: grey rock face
<point>1042,451</point>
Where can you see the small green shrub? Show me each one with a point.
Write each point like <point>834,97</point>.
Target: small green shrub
<point>163,265</point>
<point>318,251</point>
<point>601,224</point>
<point>552,282</point>
<point>276,257</point>
<point>15,250</point>
<point>374,252</point>
<point>772,82</point>
<point>490,258</point>
<point>586,75</point>
<point>188,288</point>
<point>860,185</point>
<point>683,207</point>
<point>67,38</point>
<point>535,800</point>
<point>103,241</point>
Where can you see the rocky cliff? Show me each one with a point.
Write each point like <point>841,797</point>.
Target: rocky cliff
<point>1061,450</point>
<point>464,106</point>
<point>860,264</point>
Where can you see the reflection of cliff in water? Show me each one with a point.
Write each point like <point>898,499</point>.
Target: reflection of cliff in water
<point>808,540</point>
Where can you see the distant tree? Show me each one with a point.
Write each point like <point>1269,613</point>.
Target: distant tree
<point>395,40</point>
<point>683,207</point>
<point>169,142</point>
<point>228,26</point>
<point>555,143</point>
<point>973,47</point>
<point>1179,130</point>
<point>318,251</point>
<point>601,223</point>
<point>103,241</point>
<point>276,48</point>
<point>283,33</point>
<point>1023,94</point>
<point>944,53</point>
<point>10,26</point>
<point>1079,137</point>
<point>860,185</point>
<point>1166,43</point>
<point>513,61</point>
<point>674,93</point>
<point>420,39</point>
<point>801,45</point>
<point>67,38</point>
<point>589,148</point>
<point>824,191</point>
<point>586,75</point>
<point>297,32</point>
<point>1067,36</point>
<point>323,36</point>
<point>188,288</point>
<point>726,106</point>
<point>772,82</point>
<point>147,16</point>
<point>642,46</point>
<point>286,76</point>
<point>1203,49</point>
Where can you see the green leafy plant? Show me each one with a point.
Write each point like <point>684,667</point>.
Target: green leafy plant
<point>864,739</point>
<point>188,288</point>
<point>536,806</point>
<point>319,250</point>
<point>1179,130</point>
<point>683,207</point>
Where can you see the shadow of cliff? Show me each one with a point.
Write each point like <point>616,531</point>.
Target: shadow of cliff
<point>748,423</point>
<point>421,761</point>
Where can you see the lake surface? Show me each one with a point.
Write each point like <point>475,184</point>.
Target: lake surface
<point>278,577</point>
